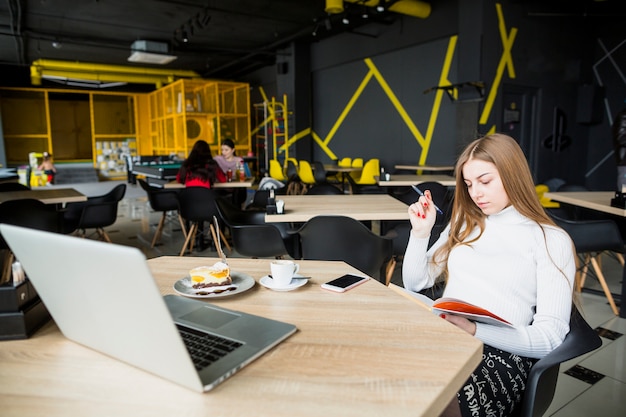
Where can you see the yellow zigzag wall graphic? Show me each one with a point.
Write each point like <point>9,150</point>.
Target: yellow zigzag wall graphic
<point>506,62</point>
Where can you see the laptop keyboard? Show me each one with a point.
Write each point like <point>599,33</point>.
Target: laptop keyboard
<point>206,348</point>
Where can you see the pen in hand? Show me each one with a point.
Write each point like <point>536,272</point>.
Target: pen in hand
<point>417,190</point>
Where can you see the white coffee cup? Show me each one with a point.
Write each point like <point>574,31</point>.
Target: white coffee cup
<point>283,271</point>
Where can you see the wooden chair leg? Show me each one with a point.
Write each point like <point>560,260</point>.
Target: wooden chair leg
<point>605,287</point>
<point>583,272</point>
<point>103,235</point>
<point>189,240</point>
<point>225,242</point>
<point>159,230</point>
<point>620,258</point>
<point>391,266</point>
<point>182,225</point>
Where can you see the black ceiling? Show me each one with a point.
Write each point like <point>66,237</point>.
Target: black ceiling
<point>226,38</point>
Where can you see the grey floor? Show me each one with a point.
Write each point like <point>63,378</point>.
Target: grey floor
<point>592,385</point>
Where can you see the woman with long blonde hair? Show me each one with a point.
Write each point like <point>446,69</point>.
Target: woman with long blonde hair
<point>503,253</point>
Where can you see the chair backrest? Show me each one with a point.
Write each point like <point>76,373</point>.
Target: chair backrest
<point>101,211</point>
<point>324,189</point>
<point>341,238</point>
<point>12,186</point>
<point>251,235</point>
<point>357,163</point>
<point>197,204</point>
<point>115,195</point>
<point>29,213</point>
<point>543,375</point>
<point>233,215</point>
<point>370,171</point>
<point>161,199</point>
<point>593,235</point>
<point>276,171</point>
<point>292,169</point>
<point>305,172</point>
<point>319,172</point>
<point>345,162</point>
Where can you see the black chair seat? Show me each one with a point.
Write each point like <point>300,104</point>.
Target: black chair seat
<point>541,382</point>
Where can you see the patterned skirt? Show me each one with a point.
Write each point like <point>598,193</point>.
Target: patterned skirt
<point>497,385</point>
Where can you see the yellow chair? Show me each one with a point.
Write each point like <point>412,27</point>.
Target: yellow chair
<point>276,171</point>
<point>357,163</point>
<point>541,189</point>
<point>305,173</point>
<point>345,162</point>
<point>370,171</point>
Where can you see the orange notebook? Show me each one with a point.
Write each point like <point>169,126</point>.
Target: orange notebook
<point>470,311</point>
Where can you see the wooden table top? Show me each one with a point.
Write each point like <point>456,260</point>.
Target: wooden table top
<point>234,184</point>
<point>337,168</point>
<point>408,180</point>
<point>366,352</point>
<point>45,195</point>
<point>426,167</point>
<point>301,208</point>
<point>594,200</point>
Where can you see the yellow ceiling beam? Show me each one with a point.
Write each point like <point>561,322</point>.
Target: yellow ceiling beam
<point>105,73</point>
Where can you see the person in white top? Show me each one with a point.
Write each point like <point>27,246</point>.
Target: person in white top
<point>503,253</point>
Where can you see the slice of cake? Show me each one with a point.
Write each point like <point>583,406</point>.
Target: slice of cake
<point>210,276</point>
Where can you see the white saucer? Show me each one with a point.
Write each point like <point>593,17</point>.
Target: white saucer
<point>296,282</point>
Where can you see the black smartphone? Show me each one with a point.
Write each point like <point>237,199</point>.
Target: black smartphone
<point>344,283</point>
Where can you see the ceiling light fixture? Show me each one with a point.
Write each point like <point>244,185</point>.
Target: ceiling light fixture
<point>148,52</point>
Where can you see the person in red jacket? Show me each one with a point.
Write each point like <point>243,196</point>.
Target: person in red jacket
<point>200,169</point>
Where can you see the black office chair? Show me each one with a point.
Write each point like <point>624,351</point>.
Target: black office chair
<point>29,213</point>
<point>250,234</point>
<point>197,205</point>
<point>341,238</point>
<point>399,231</point>
<point>543,376</point>
<point>165,201</point>
<point>98,212</point>
<point>319,172</point>
<point>591,238</point>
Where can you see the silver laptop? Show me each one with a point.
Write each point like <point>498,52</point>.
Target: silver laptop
<point>103,296</point>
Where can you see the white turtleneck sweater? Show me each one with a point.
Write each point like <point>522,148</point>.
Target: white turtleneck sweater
<point>511,271</point>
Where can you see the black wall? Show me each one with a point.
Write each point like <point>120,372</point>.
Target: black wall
<point>573,63</point>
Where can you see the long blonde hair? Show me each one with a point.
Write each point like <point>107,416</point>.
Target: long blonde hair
<point>504,152</point>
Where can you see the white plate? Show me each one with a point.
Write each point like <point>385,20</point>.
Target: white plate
<point>243,282</point>
<point>296,282</point>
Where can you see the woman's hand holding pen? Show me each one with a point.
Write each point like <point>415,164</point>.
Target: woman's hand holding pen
<point>423,214</point>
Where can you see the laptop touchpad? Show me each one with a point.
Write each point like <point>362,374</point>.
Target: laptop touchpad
<point>209,317</point>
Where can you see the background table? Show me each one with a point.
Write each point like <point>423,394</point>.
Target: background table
<point>367,352</point>
<point>599,201</point>
<point>425,167</point>
<point>161,171</point>
<point>233,184</point>
<point>45,195</point>
<point>301,208</point>
<point>408,180</point>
